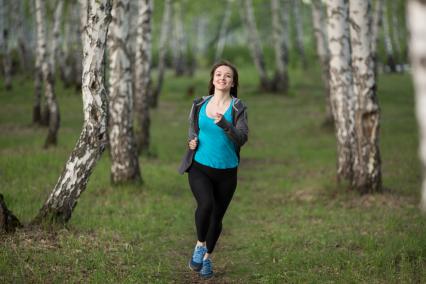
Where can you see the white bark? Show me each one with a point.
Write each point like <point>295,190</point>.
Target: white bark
<point>162,50</point>
<point>281,74</point>
<point>416,15</point>
<point>367,162</point>
<point>223,30</point>
<point>254,43</point>
<point>124,158</point>
<point>320,33</point>
<point>56,35</point>
<point>143,75</point>
<point>93,138</point>
<point>48,78</point>
<point>341,90</point>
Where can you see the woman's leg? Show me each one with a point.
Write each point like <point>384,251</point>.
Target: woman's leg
<point>223,192</point>
<point>202,189</point>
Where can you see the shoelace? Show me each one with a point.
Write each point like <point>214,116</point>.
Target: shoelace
<point>199,254</point>
<point>207,265</point>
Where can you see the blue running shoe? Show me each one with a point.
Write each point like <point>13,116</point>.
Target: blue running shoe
<point>207,269</point>
<point>196,261</point>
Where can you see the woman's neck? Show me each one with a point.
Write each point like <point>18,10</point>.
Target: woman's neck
<point>221,98</point>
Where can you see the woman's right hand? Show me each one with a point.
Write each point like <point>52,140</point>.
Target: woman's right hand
<point>193,143</point>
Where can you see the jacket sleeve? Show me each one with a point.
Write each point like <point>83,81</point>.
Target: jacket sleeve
<point>239,132</point>
<point>191,131</point>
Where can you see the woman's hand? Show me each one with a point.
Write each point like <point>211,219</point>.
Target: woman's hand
<point>218,117</point>
<point>193,143</point>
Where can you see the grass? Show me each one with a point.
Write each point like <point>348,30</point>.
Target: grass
<point>288,222</point>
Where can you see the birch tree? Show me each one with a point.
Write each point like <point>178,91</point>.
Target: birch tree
<point>7,60</point>
<point>19,18</point>
<point>416,15</point>
<point>179,41</point>
<point>367,162</point>
<point>298,22</point>
<point>280,82</point>
<point>320,33</point>
<point>390,56</point>
<point>223,30</point>
<point>124,158</point>
<point>143,75</point>
<point>254,44</point>
<point>93,138</point>
<point>56,33</point>
<point>162,50</point>
<point>377,23</point>
<point>341,90</point>
<point>285,18</point>
<point>48,78</point>
<point>396,36</point>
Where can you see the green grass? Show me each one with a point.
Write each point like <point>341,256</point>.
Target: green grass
<point>288,222</point>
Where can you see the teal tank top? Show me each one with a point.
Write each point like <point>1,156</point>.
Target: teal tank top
<point>215,149</point>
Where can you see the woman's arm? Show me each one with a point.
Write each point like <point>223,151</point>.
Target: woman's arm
<point>239,132</point>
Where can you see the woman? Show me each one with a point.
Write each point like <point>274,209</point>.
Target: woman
<point>218,128</point>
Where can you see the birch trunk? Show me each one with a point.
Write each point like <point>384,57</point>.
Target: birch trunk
<point>143,75</point>
<point>162,50</point>
<point>19,14</point>
<point>56,35</point>
<point>65,51</point>
<point>298,21</point>
<point>280,82</point>
<point>7,60</point>
<point>319,25</point>
<point>223,30</point>
<point>396,35</point>
<point>416,15</point>
<point>341,90</point>
<point>377,23</point>
<point>285,16</point>
<point>48,78</point>
<point>367,162</point>
<point>124,158</point>
<point>254,44</point>
<point>390,56</point>
<point>179,42</point>
<point>93,138</point>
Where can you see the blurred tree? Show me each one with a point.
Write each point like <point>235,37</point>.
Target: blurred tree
<point>48,76</point>
<point>143,86</point>
<point>298,23</point>
<point>416,15</point>
<point>320,32</point>
<point>390,56</point>
<point>223,30</point>
<point>124,157</point>
<point>164,35</point>
<point>367,163</point>
<point>254,43</point>
<point>280,81</point>
<point>61,202</point>
<point>5,42</point>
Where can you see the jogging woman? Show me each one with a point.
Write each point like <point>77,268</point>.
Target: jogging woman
<point>218,128</point>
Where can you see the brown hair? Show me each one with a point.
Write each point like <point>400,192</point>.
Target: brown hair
<point>234,89</point>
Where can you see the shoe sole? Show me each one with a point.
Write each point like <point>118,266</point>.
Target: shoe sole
<point>206,276</point>
<point>194,268</point>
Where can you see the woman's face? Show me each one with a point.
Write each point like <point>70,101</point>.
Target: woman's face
<point>223,78</point>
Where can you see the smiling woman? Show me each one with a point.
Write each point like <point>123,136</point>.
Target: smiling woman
<point>218,128</point>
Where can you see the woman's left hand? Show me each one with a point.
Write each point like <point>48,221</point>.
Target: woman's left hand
<point>218,117</point>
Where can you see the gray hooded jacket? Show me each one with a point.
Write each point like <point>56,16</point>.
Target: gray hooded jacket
<point>237,131</point>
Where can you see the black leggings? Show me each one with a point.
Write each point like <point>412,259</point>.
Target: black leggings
<point>213,189</point>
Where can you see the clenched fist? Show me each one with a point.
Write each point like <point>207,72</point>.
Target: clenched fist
<point>193,143</point>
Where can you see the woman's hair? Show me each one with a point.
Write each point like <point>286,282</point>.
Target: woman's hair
<point>234,89</point>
